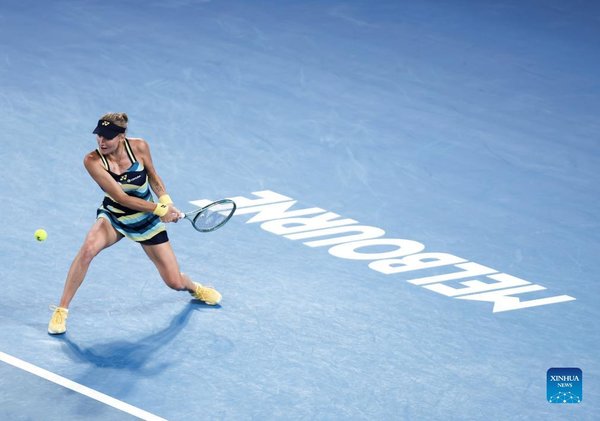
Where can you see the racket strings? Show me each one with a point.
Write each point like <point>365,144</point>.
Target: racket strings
<point>208,219</point>
<point>214,216</point>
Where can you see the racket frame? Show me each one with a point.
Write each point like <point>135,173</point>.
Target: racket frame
<point>195,214</point>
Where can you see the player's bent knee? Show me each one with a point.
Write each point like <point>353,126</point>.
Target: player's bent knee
<point>88,252</point>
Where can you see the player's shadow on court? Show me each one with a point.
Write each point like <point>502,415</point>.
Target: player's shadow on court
<point>134,356</point>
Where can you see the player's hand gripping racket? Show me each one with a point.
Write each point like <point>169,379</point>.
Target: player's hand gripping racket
<point>211,217</point>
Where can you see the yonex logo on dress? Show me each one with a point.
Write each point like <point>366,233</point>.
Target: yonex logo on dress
<point>348,239</point>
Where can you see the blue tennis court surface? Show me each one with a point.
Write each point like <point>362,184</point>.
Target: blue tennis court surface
<point>418,231</point>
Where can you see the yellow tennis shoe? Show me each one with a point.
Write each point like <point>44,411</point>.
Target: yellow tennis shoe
<point>58,321</point>
<point>207,294</point>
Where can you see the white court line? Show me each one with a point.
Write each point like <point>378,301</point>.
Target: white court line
<point>69,384</point>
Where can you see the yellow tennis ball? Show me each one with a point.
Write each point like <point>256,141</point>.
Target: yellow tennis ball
<point>40,235</point>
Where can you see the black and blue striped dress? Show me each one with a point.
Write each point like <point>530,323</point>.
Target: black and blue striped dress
<point>143,227</point>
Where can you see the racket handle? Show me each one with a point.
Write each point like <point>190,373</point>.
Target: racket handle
<point>181,215</point>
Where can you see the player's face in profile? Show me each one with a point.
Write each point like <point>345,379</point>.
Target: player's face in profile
<point>107,146</point>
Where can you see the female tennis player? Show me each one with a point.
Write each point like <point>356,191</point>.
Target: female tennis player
<point>123,169</point>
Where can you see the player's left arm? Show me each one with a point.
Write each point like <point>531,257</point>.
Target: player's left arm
<point>141,149</point>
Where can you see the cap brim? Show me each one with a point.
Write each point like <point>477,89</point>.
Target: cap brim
<point>105,132</point>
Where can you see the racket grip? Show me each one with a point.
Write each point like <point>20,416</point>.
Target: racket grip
<point>181,215</point>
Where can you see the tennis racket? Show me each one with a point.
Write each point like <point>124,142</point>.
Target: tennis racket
<point>212,216</point>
